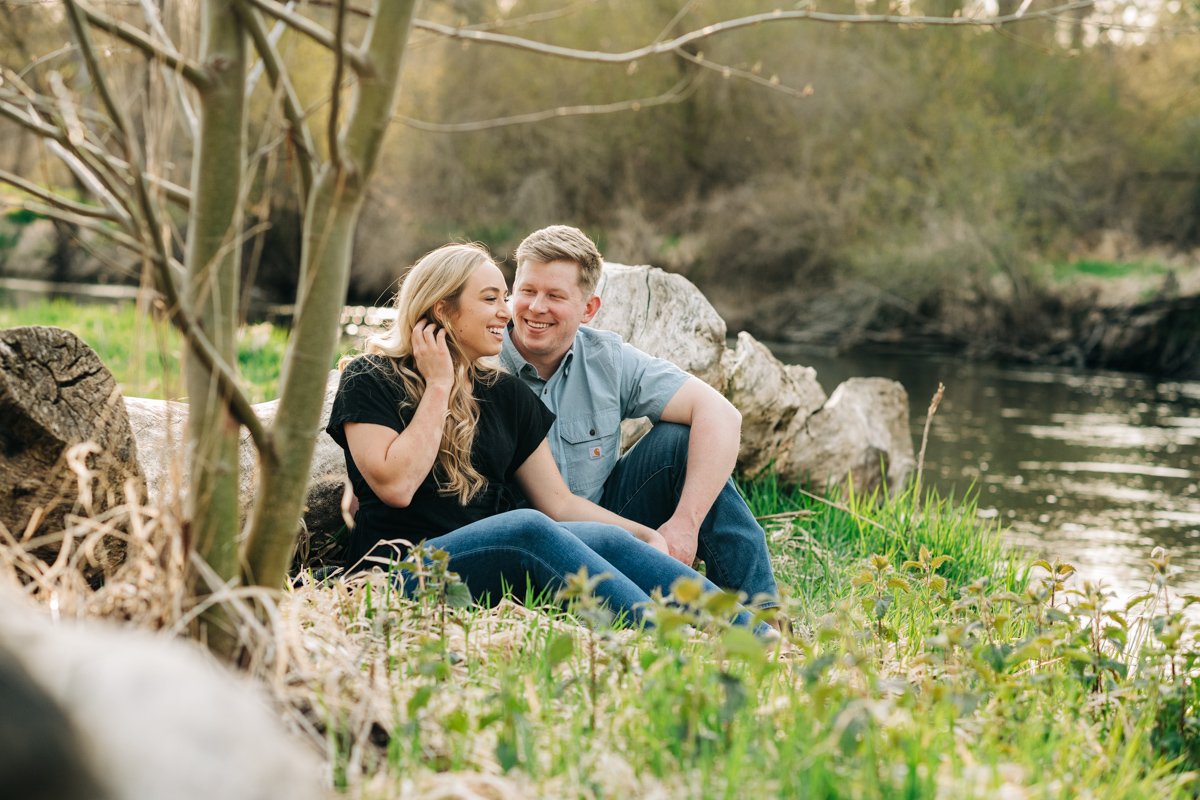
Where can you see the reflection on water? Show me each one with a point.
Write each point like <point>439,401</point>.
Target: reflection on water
<point>1095,468</point>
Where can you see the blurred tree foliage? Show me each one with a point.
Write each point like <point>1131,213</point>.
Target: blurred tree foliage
<point>916,160</point>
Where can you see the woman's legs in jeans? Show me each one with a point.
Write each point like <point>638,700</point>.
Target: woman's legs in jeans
<point>512,548</point>
<point>650,569</point>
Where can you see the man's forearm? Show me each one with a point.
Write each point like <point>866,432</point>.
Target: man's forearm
<point>712,455</point>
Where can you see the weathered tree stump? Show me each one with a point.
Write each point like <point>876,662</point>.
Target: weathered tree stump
<point>65,442</point>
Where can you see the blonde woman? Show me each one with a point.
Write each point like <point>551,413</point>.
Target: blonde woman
<point>436,440</point>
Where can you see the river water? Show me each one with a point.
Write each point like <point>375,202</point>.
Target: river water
<point>1092,467</point>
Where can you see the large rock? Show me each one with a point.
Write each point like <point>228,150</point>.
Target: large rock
<point>665,315</point>
<point>159,427</point>
<point>129,715</point>
<point>65,439</point>
<point>858,436</point>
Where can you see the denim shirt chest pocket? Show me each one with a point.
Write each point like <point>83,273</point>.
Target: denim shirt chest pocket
<point>590,446</point>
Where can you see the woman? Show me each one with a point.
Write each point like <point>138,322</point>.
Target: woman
<point>436,439</point>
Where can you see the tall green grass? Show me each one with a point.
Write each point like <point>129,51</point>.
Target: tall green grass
<point>926,663</point>
<point>143,351</point>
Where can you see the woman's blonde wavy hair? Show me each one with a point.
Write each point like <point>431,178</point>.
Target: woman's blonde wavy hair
<point>440,276</point>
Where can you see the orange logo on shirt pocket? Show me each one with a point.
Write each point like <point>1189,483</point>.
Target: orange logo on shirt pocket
<point>596,453</point>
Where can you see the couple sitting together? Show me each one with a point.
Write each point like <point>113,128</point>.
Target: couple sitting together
<point>516,472</point>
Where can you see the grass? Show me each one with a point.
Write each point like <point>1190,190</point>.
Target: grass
<point>142,350</point>
<point>1062,271</point>
<point>925,662</point>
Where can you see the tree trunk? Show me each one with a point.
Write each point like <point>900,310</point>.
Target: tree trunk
<point>212,288</point>
<point>329,224</point>
<point>55,394</point>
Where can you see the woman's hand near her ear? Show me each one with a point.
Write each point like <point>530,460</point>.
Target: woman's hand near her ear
<point>395,464</point>
<point>432,355</point>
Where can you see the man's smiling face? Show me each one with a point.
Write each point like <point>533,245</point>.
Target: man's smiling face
<point>548,308</point>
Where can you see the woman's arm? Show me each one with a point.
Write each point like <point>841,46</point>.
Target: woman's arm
<point>393,463</point>
<point>543,484</point>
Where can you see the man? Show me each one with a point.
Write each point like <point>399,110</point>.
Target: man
<point>676,478</point>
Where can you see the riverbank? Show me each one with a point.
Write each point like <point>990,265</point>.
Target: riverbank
<point>1135,316</point>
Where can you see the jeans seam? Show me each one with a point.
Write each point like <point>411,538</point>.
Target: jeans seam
<point>642,485</point>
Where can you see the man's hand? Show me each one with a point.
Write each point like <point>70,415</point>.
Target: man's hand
<point>681,539</point>
<point>655,540</point>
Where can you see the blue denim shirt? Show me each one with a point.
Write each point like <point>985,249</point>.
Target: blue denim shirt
<point>600,382</point>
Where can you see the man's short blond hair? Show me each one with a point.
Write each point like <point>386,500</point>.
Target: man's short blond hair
<point>564,243</point>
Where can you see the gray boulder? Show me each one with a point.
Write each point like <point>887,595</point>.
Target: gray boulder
<point>147,717</point>
<point>858,435</point>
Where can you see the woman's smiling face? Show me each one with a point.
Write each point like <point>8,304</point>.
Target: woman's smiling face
<point>481,314</point>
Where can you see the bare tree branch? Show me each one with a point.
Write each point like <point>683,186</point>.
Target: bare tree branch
<point>727,71</point>
<point>185,105</point>
<point>312,30</point>
<point>52,133</point>
<point>335,92</point>
<point>676,94</point>
<point>708,31</point>
<point>52,210</point>
<point>56,199</point>
<point>156,50</point>
<point>292,110</point>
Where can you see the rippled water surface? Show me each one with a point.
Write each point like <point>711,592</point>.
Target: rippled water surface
<point>1095,468</point>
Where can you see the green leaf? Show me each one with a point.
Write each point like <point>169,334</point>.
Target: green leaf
<point>937,562</point>
<point>458,595</point>
<point>687,590</point>
<point>898,583</point>
<point>741,643</point>
<point>457,721</point>
<point>419,700</point>
<point>1141,598</point>
<point>559,649</point>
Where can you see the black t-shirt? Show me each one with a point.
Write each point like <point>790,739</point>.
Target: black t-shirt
<point>512,423</point>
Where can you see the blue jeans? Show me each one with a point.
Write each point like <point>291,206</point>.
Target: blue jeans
<point>516,547</point>
<point>645,487</point>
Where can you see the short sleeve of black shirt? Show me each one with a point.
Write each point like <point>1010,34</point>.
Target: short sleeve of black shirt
<point>368,391</point>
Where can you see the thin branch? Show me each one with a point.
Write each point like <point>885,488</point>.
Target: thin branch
<point>683,11</point>
<point>335,96</point>
<point>105,182</point>
<point>708,31</point>
<point>312,30</point>
<point>54,212</point>
<point>727,71</point>
<point>88,176</point>
<point>292,110</point>
<point>156,50</point>
<point>202,348</point>
<point>273,38</point>
<point>56,199</point>
<point>189,114</point>
<point>53,54</point>
<point>71,140</point>
<point>676,94</point>
<point>88,51</point>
